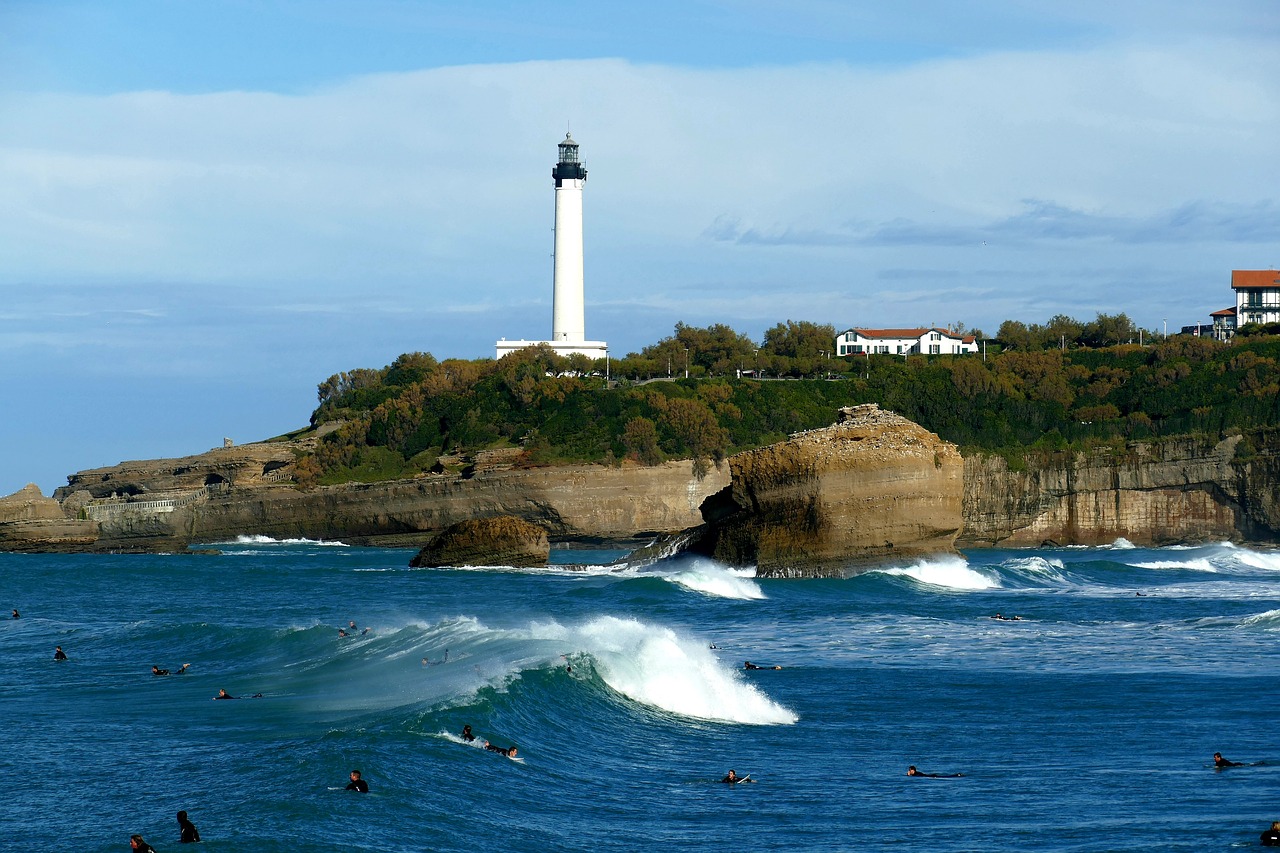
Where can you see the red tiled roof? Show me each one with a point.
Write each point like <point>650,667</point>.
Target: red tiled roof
<point>1225,312</point>
<point>1254,278</point>
<point>890,333</point>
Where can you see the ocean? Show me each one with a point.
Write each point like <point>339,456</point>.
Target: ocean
<point>1087,724</point>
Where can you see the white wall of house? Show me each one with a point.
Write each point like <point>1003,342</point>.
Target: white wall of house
<point>902,342</point>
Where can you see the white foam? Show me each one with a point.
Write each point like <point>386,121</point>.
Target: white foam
<point>718,581</point>
<point>1121,544</point>
<point>658,667</point>
<point>1257,559</point>
<point>950,572</point>
<point>1198,564</point>
<point>1269,619</point>
<point>259,539</point>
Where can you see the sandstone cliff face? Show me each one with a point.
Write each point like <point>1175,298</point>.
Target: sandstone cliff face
<point>582,501</point>
<point>31,522</point>
<point>500,541</point>
<point>245,465</point>
<point>832,501</point>
<point>1177,491</point>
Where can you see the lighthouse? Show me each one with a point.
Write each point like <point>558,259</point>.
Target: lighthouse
<point>568,303</point>
<point>568,314</point>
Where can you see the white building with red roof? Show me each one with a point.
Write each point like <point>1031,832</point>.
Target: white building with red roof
<point>932,341</point>
<point>1257,296</point>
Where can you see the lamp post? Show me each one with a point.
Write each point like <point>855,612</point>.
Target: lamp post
<point>606,367</point>
<point>686,362</point>
<point>1166,328</point>
<point>757,363</point>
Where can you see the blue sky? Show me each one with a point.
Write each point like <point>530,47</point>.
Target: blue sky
<point>208,208</point>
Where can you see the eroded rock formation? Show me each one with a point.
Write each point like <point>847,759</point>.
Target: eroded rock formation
<point>872,488</point>
<point>1184,490</point>
<point>500,541</point>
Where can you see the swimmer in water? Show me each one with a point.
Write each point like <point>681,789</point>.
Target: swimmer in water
<point>59,654</point>
<point>466,733</point>
<point>509,752</point>
<point>1271,837</point>
<point>357,784</point>
<point>187,832</point>
<point>1219,761</point>
<point>16,614</point>
<point>912,771</point>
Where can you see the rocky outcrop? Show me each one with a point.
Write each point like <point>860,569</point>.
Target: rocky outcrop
<point>31,522</point>
<point>1177,491</point>
<point>245,465</point>
<point>501,541</point>
<point>587,502</point>
<point>872,488</point>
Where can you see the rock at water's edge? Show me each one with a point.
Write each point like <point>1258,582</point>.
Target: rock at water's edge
<point>501,541</point>
<point>874,487</point>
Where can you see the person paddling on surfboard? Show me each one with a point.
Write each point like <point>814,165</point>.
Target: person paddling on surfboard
<point>1219,761</point>
<point>509,752</point>
<point>357,784</point>
<point>733,778</point>
<point>912,771</point>
<point>466,733</point>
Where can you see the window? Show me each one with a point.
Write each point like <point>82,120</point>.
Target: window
<point>856,348</point>
<point>935,349</point>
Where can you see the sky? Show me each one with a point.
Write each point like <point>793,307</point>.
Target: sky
<point>206,209</point>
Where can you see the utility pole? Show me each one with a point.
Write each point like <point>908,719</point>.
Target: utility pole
<point>686,362</point>
<point>1166,328</point>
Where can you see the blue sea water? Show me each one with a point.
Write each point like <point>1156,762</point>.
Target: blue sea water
<point>1086,725</point>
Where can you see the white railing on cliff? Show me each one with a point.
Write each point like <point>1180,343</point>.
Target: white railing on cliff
<point>115,506</point>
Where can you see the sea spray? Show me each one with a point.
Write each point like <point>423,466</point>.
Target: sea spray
<point>718,581</point>
<point>658,667</point>
<point>950,572</point>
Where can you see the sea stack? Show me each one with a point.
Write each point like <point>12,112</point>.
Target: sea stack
<point>871,489</point>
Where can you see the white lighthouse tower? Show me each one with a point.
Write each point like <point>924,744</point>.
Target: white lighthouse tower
<point>568,307</point>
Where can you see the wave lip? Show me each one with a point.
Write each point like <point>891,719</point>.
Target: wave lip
<point>655,666</point>
<point>717,581</point>
<point>949,572</point>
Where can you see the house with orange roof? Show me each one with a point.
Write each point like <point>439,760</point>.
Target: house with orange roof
<point>1224,324</point>
<point>1257,296</point>
<point>933,341</point>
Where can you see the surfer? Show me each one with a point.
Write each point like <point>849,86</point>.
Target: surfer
<point>59,654</point>
<point>750,665</point>
<point>1219,761</point>
<point>466,733</point>
<point>1271,837</point>
<point>223,694</point>
<point>16,614</point>
<point>357,784</point>
<point>733,778</point>
<point>509,752</point>
<point>342,632</point>
<point>136,843</point>
<point>912,771</point>
<point>429,662</point>
<point>155,670</point>
<point>187,832</point>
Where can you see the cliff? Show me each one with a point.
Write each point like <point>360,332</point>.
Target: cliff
<point>1183,490</point>
<point>164,505</point>
<point>873,487</point>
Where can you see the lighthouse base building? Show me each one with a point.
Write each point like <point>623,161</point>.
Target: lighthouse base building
<point>568,313</point>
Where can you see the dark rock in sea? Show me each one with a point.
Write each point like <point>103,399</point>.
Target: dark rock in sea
<point>499,541</point>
